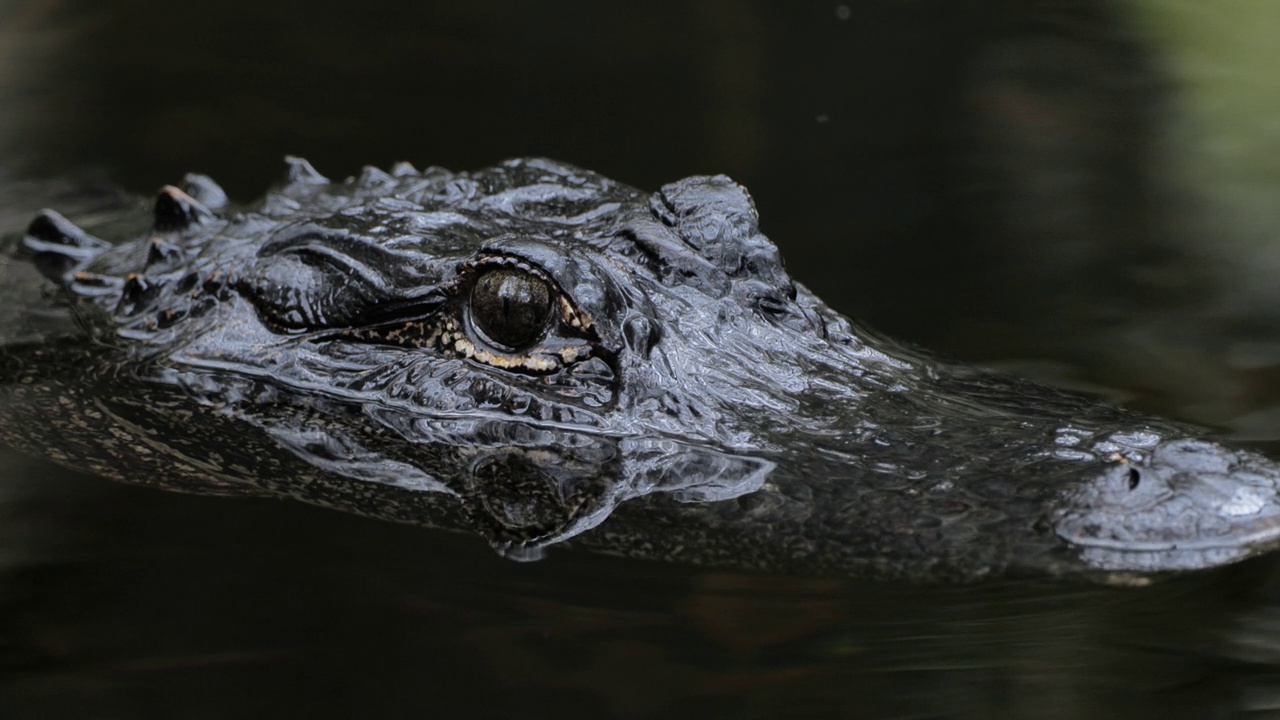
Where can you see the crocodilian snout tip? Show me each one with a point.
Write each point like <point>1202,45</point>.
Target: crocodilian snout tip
<point>1183,505</point>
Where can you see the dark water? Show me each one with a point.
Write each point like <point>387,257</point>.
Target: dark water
<point>1013,182</point>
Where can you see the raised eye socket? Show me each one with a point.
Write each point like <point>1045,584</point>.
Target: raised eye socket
<point>510,307</point>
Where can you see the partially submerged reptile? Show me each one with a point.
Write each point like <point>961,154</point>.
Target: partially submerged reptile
<point>535,353</point>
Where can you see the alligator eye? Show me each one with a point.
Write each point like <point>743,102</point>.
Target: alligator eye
<point>511,307</point>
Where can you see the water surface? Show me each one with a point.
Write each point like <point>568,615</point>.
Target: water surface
<point>1015,183</point>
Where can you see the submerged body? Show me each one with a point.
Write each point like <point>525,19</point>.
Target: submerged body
<point>538,354</point>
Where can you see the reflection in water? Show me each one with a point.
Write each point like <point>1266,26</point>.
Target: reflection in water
<point>125,602</point>
<point>164,604</point>
<point>523,488</point>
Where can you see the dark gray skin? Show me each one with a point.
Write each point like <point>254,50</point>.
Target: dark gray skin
<point>538,354</point>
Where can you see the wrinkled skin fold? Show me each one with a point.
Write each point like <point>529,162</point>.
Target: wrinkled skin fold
<point>537,354</point>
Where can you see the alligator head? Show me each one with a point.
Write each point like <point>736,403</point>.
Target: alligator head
<point>534,353</point>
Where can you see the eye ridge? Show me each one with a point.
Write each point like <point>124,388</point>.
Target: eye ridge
<point>552,334</point>
<point>555,335</point>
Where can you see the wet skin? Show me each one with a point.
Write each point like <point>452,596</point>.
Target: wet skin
<point>537,354</point>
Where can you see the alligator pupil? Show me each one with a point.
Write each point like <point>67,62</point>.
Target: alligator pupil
<point>510,307</point>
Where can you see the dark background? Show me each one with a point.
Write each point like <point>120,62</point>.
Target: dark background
<point>1005,181</point>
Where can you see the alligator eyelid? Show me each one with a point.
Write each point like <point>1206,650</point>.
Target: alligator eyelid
<point>474,266</point>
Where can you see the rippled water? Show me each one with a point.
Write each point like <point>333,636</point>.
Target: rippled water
<point>1059,188</point>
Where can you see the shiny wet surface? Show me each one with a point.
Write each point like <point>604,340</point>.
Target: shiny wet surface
<point>126,602</point>
<point>132,603</point>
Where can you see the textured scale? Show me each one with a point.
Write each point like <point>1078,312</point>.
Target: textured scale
<point>685,399</point>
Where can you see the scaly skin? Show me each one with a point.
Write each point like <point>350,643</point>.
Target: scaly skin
<point>677,397</point>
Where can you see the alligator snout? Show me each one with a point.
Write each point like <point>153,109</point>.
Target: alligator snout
<point>1185,503</point>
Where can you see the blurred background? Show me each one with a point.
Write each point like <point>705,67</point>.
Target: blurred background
<point>1082,191</point>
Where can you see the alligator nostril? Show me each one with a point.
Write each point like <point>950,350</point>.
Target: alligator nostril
<point>1135,477</point>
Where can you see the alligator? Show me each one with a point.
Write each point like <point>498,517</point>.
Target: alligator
<point>538,355</point>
